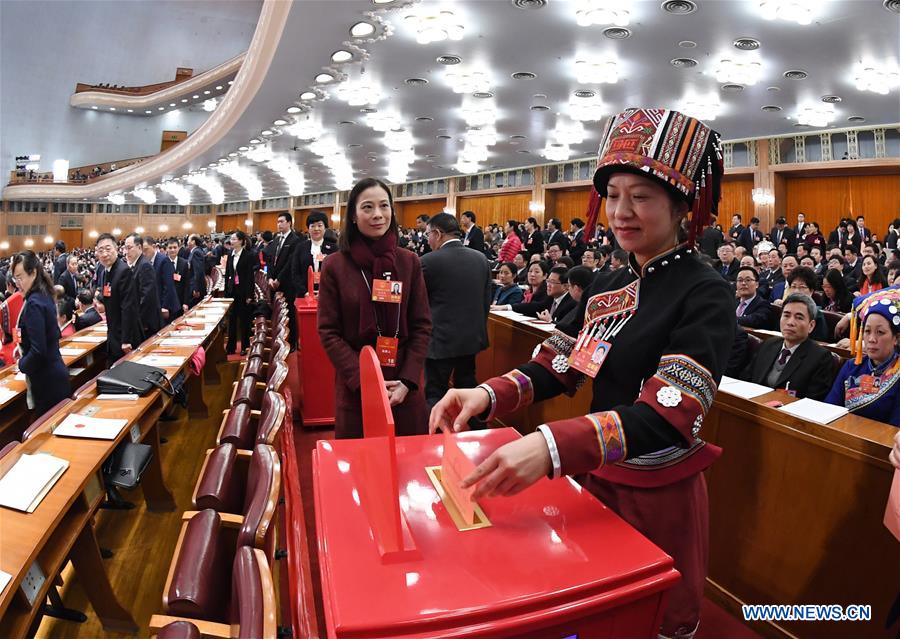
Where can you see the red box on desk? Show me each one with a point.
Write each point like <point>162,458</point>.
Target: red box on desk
<point>316,371</point>
<point>554,563</point>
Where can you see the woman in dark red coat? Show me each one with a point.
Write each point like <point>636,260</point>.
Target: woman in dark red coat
<point>349,319</point>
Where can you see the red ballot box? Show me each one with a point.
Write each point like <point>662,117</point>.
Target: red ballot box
<point>549,563</point>
<point>316,371</point>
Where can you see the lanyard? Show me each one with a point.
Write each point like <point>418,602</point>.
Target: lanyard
<point>374,314</point>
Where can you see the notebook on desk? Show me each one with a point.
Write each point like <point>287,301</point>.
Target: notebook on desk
<point>740,388</point>
<point>6,394</point>
<point>811,410</point>
<point>90,427</point>
<point>29,480</point>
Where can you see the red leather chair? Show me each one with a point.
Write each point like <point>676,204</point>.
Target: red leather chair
<point>244,427</point>
<point>250,391</point>
<point>228,475</point>
<point>258,365</point>
<point>247,612</point>
<point>200,572</point>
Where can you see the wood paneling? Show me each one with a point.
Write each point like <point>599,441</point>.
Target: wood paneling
<point>300,216</point>
<point>408,211</point>
<point>736,198</point>
<point>496,209</point>
<point>229,223</point>
<point>171,138</point>
<point>72,238</point>
<point>268,221</point>
<point>827,199</point>
<point>567,204</point>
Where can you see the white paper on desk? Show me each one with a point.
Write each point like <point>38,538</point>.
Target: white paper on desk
<point>29,480</point>
<point>99,328</point>
<point>5,578</point>
<point>121,397</point>
<point>162,361</point>
<point>19,377</point>
<point>7,394</point>
<point>740,388</point>
<point>189,333</point>
<point>90,339</point>
<point>766,331</point>
<point>71,351</point>
<point>173,341</point>
<point>814,411</point>
<point>90,427</point>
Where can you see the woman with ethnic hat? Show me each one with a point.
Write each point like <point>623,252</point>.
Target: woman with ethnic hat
<point>655,337</point>
<point>868,385</point>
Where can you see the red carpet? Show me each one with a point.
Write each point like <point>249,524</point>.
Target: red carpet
<point>716,623</point>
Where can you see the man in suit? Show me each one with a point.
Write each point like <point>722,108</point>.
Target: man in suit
<point>197,262</point>
<point>555,306</point>
<point>458,282</point>
<point>783,233</point>
<point>521,262</point>
<point>67,278</point>
<point>556,236</point>
<point>751,236</point>
<point>420,237</point>
<point>184,250</point>
<point>853,269</point>
<point>181,277</point>
<point>145,283</point>
<point>311,252</point>
<point>473,235</point>
<point>711,239</point>
<point>59,259</point>
<point>170,305</point>
<point>579,241</point>
<point>534,243</point>
<point>119,297</point>
<point>752,310</point>
<point>788,264</point>
<point>838,237</point>
<point>85,313</point>
<point>800,229</point>
<point>794,362</point>
<point>864,231</point>
<point>280,275</point>
<point>239,286</point>
<point>728,265</point>
<point>736,227</point>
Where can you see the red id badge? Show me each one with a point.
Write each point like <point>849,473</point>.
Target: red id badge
<point>867,384</point>
<point>590,357</point>
<point>387,291</point>
<point>386,349</point>
<point>107,290</point>
<point>176,277</point>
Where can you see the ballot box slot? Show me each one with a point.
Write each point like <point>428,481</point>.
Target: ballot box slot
<point>481,520</point>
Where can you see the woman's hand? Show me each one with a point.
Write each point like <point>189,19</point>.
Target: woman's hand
<point>397,392</point>
<point>511,468</point>
<point>456,408</point>
<point>895,453</point>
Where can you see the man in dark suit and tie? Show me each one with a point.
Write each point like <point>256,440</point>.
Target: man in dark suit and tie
<point>197,262</point>
<point>67,278</point>
<point>727,265</point>
<point>59,259</point>
<point>119,296</point>
<point>783,233</point>
<point>579,241</point>
<point>555,306</point>
<point>181,277</point>
<point>170,305</point>
<point>864,231</point>
<point>794,362</point>
<point>736,227</point>
<point>800,229</point>
<point>459,294</point>
<point>752,310</point>
<point>145,283</point>
<point>311,252</point>
<point>474,236</point>
<point>280,274</point>
<point>751,236</point>
<point>556,235</point>
<point>85,313</point>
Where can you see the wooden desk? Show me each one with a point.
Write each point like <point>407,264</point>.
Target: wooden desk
<point>796,508</point>
<point>60,527</point>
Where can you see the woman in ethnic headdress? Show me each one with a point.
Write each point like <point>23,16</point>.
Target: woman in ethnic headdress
<point>663,328</point>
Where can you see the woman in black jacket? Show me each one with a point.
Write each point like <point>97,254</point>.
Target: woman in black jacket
<point>239,285</point>
<point>46,375</point>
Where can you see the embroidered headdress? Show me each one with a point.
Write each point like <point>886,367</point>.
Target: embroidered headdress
<point>678,150</point>
<point>885,302</point>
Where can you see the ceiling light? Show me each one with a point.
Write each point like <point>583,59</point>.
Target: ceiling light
<point>243,148</point>
<point>771,108</point>
<point>833,99</point>
<point>184,99</point>
<point>255,140</point>
<point>219,88</point>
<point>209,184</point>
<point>233,154</point>
<point>568,132</point>
<point>381,120</point>
<point>195,97</point>
<point>597,71</point>
<point>683,63</point>
<point>796,74</point>
<point>163,228</point>
<point>290,173</point>
<point>93,234</point>
<point>799,11</point>
<point>815,114</point>
<point>617,33</point>
<point>129,110</point>
<point>245,177</point>
<point>293,109</point>
<point>305,129</point>
<point>118,199</point>
<point>230,82</point>
<point>732,88</point>
<point>523,75</point>
<point>172,104</point>
<point>341,55</point>
<point>588,109</point>
<point>679,7</point>
<point>362,29</point>
<point>187,226</point>
<point>556,152</point>
<point>875,78</point>
<point>591,12</point>
<point>148,196</point>
<point>210,105</point>
<point>279,122</point>
<point>359,91</point>
<point>148,111</point>
<point>94,108</point>
<point>29,242</point>
<point>704,108</point>
<point>160,108</point>
<point>178,191</point>
<point>745,72</point>
<point>211,224</point>
<point>207,92</point>
<point>448,59</point>
<point>434,25</point>
<point>112,108</point>
<point>324,78</point>
<point>267,132</point>
<point>856,118</point>
<point>746,44</point>
<point>467,80</point>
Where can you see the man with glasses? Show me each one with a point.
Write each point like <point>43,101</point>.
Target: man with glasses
<point>119,295</point>
<point>803,280</point>
<point>752,311</point>
<point>558,302</point>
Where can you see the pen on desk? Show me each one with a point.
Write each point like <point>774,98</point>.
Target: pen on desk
<point>787,387</point>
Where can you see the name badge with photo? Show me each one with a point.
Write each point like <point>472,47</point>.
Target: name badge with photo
<point>387,291</point>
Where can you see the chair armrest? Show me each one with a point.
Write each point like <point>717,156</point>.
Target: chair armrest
<point>208,629</point>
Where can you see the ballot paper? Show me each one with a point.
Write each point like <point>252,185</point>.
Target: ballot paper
<point>71,351</point>
<point>99,328</point>
<point>892,511</point>
<point>118,397</point>
<point>161,361</point>
<point>19,377</point>
<point>811,410</point>
<point>5,578</point>
<point>174,341</point>
<point>29,480</point>
<point>739,388</point>
<point>7,394</point>
<point>455,467</point>
<point>89,339</point>
<point>189,333</point>
<point>90,427</point>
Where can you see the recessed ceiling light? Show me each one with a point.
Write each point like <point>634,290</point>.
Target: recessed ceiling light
<point>416,82</point>
<point>324,78</point>
<point>540,107</point>
<point>424,118</point>
<point>230,82</point>
<point>746,44</point>
<point>483,94</point>
<point>448,59</point>
<point>687,44</point>
<point>346,122</point>
<point>856,118</point>
<point>254,140</point>
<point>130,110</point>
<point>307,95</point>
<point>293,109</point>
<point>523,151</point>
<point>832,99</point>
<point>148,111</point>
<point>195,97</point>
<point>771,108</point>
<point>362,29</point>
<point>207,92</point>
<point>172,104</point>
<point>341,55</point>
<point>243,148</point>
<point>184,99</point>
<point>353,146</point>
<point>796,74</point>
<point>517,137</point>
<point>798,124</point>
<point>683,63</point>
<point>93,107</point>
<point>529,4</point>
<point>219,88</point>
<point>233,154</point>
<point>773,89</point>
<point>524,75</point>
<point>617,33</point>
<point>732,88</point>
<point>112,108</point>
<point>892,5</point>
<point>584,93</point>
<point>160,108</point>
<point>442,137</point>
<point>679,7</point>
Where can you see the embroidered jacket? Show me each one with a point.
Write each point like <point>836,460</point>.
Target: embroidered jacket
<point>670,327</point>
<point>881,402</point>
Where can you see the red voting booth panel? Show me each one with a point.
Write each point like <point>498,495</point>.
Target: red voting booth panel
<point>316,371</point>
<point>553,564</point>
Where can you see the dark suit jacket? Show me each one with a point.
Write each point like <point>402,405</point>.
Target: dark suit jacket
<point>853,276</point>
<point>148,296</point>
<point>303,259</point>
<point>474,239</point>
<point>458,282</point>
<point>534,243</point>
<point>88,318</point>
<point>122,312</point>
<point>67,281</point>
<point>166,285</point>
<point>59,266</point>
<point>749,238</point>
<point>731,273</point>
<point>735,232</point>
<point>559,238</point>
<point>809,370</point>
<point>710,241</point>
<point>758,313</point>
<point>786,234</point>
<point>182,287</point>
<point>197,261</point>
<point>578,246</point>
<point>243,290</point>
<point>282,264</point>
<point>41,361</point>
<point>544,304</point>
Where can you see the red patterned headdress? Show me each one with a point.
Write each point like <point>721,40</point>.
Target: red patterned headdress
<point>678,150</point>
